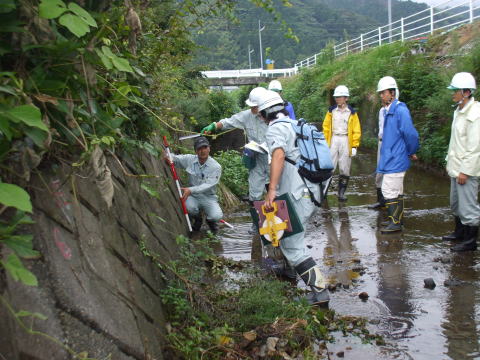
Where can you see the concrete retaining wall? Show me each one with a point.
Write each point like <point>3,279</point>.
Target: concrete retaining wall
<point>100,293</point>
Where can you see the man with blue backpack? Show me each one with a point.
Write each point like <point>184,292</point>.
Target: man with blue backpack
<point>256,162</point>
<point>291,173</point>
<point>399,145</point>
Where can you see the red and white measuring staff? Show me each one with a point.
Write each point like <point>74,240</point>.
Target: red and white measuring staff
<point>227,224</point>
<point>177,182</point>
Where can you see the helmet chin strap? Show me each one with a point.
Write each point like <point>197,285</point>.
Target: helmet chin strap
<point>458,103</point>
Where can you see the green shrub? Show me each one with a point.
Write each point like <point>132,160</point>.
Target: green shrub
<point>234,173</point>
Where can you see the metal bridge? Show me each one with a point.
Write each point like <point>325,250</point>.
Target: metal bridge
<point>440,18</point>
<point>246,76</point>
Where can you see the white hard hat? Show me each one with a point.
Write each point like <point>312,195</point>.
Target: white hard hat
<point>255,96</point>
<point>269,99</point>
<point>462,80</point>
<point>341,90</point>
<point>275,85</point>
<point>388,82</point>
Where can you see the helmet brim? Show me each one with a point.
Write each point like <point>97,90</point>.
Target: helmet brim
<point>450,87</point>
<point>250,103</point>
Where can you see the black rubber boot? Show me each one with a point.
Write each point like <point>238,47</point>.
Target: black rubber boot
<point>253,229</point>
<point>395,214</point>
<point>213,225</point>
<point>196,222</point>
<point>283,269</point>
<point>401,199</point>
<point>311,275</point>
<point>342,187</point>
<point>457,234</point>
<point>380,201</point>
<point>470,239</point>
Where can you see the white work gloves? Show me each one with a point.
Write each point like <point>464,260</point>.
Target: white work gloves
<point>354,152</point>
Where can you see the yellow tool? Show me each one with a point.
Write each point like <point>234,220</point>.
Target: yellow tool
<point>273,227</point>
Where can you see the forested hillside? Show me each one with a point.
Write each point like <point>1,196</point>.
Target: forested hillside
<point>224,43</point>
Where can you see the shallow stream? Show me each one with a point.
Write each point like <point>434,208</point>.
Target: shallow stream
<point>416,322</point>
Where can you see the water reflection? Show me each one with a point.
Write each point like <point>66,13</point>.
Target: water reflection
<point>393,286</point>
<point>340,255</point>
<point>460,326</point>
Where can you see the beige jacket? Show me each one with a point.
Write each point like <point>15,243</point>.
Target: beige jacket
<point>464,149</point>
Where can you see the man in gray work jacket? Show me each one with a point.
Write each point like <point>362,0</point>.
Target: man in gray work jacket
<point>248,121</point>
<point>203,176</point>
<point>284,178</point>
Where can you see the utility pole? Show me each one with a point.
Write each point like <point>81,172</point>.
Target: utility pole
<point>260,40</point>
<point>249,56</point>
<point>389,20</point>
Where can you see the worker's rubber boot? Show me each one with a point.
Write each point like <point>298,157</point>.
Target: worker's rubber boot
<point>401,199</point>
<point>311,275</point>
<point>470,239</point>
<point>380,204</point>
<point>213,225</point>
<point>395,214</point>
<point>196,221</point>
<point>289,271</point>
<point>457,234</point>
<point>253,229</point>
<point>342,187</point>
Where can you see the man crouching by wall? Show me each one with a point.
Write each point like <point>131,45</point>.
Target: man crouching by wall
<point>203,176</point>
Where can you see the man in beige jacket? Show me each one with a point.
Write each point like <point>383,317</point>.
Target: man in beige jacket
<point>463,163</point>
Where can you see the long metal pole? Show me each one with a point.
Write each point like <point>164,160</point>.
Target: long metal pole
<point>260,40</point>
<point>389,20</point>
<point>249,58</point>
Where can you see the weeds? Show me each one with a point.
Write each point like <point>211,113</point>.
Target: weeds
<point>214,315</point>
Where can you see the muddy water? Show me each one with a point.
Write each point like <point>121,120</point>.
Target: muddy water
<point>417,323</point>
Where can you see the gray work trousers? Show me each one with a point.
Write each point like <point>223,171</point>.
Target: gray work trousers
<point>209,204</point>
<point>464,200</point>
<point>258,177</point>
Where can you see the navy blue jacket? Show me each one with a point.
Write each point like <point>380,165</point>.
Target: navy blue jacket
<point>400,140</point>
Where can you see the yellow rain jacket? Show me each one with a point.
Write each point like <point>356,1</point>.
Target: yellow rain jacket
<point>354,130</point>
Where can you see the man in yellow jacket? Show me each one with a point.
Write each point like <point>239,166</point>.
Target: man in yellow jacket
<point>342,131</point>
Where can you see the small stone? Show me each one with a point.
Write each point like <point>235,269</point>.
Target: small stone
<point>339,261</point>
<point>429,283</point>
<point>363,295</point>
<point>354,239</point>
<point>309,246</point>
<point>340,354</point>
<point>357,261</point>
<point>453,282</point>
<point>346,286</point>
<point>435,267</point>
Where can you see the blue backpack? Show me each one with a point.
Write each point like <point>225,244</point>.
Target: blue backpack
<point>315,163</point>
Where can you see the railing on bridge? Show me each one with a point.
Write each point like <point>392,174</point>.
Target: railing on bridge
<point>445,16</point>
<point>219,74</point>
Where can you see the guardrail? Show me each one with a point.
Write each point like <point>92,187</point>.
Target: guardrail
<point>445,16</point>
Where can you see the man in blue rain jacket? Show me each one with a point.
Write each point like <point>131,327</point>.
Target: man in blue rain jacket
<point>399,145</point>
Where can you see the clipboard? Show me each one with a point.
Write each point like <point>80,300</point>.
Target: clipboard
<point>284,204</point>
